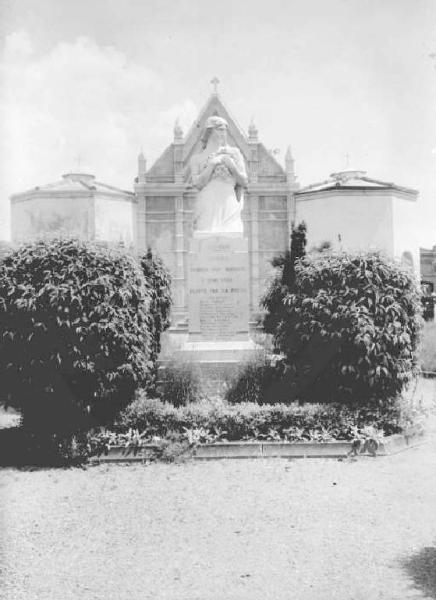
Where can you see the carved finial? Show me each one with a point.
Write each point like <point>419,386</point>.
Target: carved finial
<point>178,131</point>
<point>142,167</point>
<point>78,163</point>
<point>289,162</point>
<point>252,131</point>
<point>215,81</point>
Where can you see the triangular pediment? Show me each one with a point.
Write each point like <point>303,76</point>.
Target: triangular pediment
<point>214,106</point>
<point>269,167</point>
<point>163,170</point>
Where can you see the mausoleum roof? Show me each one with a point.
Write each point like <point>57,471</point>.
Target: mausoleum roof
<point>162,171</point>
<point>352,179</point>
<point>74,183</point>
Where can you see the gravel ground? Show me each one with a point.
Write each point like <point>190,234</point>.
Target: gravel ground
<point>227,530</point>
<point>308,529</point>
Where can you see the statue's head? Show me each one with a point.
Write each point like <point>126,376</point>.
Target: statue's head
<point>215,127</point>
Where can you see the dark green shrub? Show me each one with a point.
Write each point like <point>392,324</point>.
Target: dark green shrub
<point>349,327</point>
<point>75,329</point>
<point>284,282</point>
<point>258,380</point>
<point>293,422</point>
<point>159,284</point>
<point>179,382</point>
<point>21,447</point>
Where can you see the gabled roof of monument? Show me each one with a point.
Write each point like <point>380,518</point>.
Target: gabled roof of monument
<point>215,106</point>
<point>73,183</point>
<point>163,169</point>
<point>352,179</point>
<point>268,165</point>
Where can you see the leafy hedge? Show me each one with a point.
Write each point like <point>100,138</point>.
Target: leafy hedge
<point>158,282</point>
<point>250,421</point>
<point>179,382</point>
<point>348,326</point>
<point>76,332</point>
<point>258,380</point>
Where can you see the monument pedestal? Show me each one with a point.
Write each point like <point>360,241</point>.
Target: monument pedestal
<point>218,306</point>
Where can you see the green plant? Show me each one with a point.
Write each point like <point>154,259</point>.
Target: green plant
<point>258,380</point>
<point>158,282</point>
<point>75,329</point>
<point>206,422</point>
<point>284,282</point>
<point>179,382</point>
<point>349,328</point>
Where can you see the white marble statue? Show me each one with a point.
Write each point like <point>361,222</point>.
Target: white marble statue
<point>218,172</point>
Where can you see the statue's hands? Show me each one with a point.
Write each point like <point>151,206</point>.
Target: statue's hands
<point>229,162</point>
<point>216,160</point>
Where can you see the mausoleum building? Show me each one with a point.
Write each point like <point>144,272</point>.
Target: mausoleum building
<point>355,212</point>
<point>428,265</point>
<point>77,205</point>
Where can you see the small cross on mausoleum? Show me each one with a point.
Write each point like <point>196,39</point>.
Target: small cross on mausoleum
<point>215,81</point>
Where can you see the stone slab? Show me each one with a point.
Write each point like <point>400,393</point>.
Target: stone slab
<point>309,449</point>
<point>218,287</point>
<point>227,450</point>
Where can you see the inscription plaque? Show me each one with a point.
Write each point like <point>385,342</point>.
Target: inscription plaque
<point>218,287</point>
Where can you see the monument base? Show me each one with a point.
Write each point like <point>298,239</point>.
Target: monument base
<point>216,361</point>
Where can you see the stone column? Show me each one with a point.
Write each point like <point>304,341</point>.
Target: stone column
<point>142,242</point>
<point>254,252</point>
<point>253,211</point>
<point>179,287</point>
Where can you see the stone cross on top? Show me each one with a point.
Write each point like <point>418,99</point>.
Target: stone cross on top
<point>215,81</point>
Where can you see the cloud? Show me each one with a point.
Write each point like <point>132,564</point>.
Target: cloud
<point>18,45</point>
<point>79,98</point>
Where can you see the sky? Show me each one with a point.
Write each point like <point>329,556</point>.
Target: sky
<point>87,84</point>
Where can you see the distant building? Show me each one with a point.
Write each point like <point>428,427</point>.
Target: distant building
<point>428,266</point>
<point>77,205</point>
<point>355,212</point>
<point>5,247</point>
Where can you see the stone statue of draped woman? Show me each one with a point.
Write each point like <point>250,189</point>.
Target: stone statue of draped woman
<point>218,172</point>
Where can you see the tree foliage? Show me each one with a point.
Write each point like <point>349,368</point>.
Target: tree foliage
<point>75,330</point>
<point>284,282</point>
<point>348,326</point>
<point>159,285</point>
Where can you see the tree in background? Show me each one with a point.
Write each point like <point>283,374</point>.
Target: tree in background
<point>283,284</point>
<point>158,282</point>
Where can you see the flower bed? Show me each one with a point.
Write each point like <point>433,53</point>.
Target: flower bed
<point>150,424</point>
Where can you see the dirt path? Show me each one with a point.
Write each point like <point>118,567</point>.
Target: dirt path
<point>308,529</point>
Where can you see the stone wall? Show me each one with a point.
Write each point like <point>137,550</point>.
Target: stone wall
<point>50,215</point>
